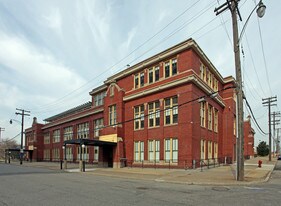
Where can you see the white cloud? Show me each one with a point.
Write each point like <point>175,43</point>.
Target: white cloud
<point>36,67</point>
<point>10,96</point>
<point>54,20</point>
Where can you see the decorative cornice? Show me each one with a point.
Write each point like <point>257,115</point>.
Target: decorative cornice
<point>98,89</point>
<point>152,60</point>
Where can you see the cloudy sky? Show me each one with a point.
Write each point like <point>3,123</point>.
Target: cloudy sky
<point>52,53</point>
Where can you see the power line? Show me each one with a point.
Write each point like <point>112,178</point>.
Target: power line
<point>211,95</point>
<point>264,59</point>
<point>252,114</point>
<point>13,137</point>
<point>119,61</point>
<point>202,11</point>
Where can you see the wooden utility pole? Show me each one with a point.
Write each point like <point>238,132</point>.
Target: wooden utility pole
<point>233,7</point>
<point>268,102</point>
<point>274,123</point>
<point>22,113</point>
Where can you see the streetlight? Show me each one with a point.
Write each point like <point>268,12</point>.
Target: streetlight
<point>233,7</point>
<point>83,158</point>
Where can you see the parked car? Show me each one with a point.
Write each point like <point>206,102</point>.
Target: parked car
<point>279,157</point>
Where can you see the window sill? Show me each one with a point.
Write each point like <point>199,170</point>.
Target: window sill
<point>154,127</point>
<point>169,125</point>
<point>135,130</point>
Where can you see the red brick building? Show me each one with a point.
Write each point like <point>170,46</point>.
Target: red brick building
<point>170,110</point>
<point>249,133</point>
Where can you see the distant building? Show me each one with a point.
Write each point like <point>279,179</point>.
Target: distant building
<point>170,110</point>
<point>249,141</point>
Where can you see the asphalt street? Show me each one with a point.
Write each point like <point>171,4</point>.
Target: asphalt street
<point>33,186</point>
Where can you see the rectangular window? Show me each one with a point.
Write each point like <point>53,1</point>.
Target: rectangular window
<point>216,120</point>
<point>171,68</point>
<point>157,150</point>
<point>83,131</point>
<point>171,110</point>
<point>167,150</point>
<point>136,81</point>
<point>174,67</point>
<point>151,150</point>
<point>153,74</point>
<point>154,114</point>
<point>56,154</point>
<point>98,124</point>
<point>96,153</point>
<point>150,75</point>
<point>112,115</point>
<point>98,99</point>
<point>202,114</point>
<point>56,136</point>
<point>167,69</point>
<point>68,133</point>
<point>175,150</point>
<point>157,75</point>
<point>139,117</point>
<point>202,71</point>
<point>203,149</point>
<point>139,151</point>
<point>215,150</point>
<point>171,150</point>
<point>210,117</point>
<point>69,154</point>
<point>83,153</point>
<point>154,150</point>
<point>210,150</point>
<point>216,87</point>
<point>47,138</point>
<point>46,154</point>
<point>142,79</point>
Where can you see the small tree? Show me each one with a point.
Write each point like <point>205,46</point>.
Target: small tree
<point>6,144</point>
<point>263,149</point>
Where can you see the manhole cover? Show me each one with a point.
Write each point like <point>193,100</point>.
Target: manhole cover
<point>220,189</point>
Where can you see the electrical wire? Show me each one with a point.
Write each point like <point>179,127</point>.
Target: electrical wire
<point>162,110</point>
<point>119,61</point>
<point>252,114</point>
<point>264,59</point>
<point>203,11</point>
<point>8,140</point>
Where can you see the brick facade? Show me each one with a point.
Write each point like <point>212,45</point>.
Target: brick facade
<point>168,110</point>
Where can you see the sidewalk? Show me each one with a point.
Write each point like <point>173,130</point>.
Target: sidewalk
<point>223,175</point>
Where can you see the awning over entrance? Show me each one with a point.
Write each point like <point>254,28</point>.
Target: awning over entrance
<point>17,150</point>
<point>90,142</point>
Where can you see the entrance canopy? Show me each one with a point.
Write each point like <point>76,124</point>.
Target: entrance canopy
<point>90,142</point>
<point>17,150</point>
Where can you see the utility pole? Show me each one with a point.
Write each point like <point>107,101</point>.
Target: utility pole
<point>22,113</point>
<point>268,102</point>
<point>274,123</point>
<point>1,130</point>
<point>233,7</point>
<point>278,142</point>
